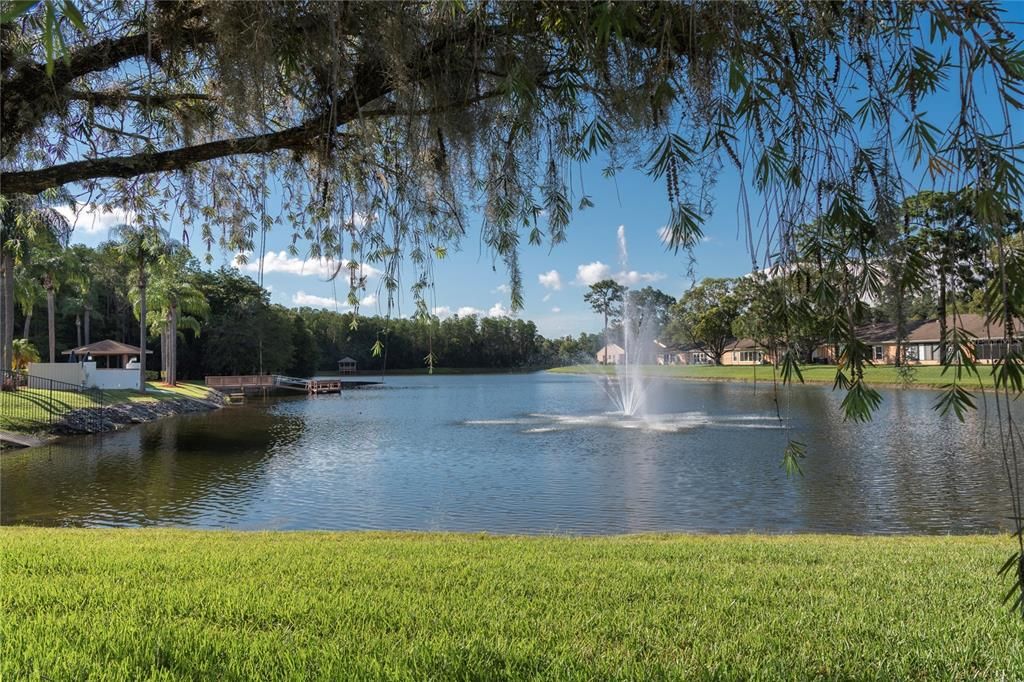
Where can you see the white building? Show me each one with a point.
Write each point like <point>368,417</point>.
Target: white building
<point>82,368</point>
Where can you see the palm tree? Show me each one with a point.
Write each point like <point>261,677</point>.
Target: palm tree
<point>173,302</point>
<point>59,267</point>
<point>81,300</point>
<point>27,293</point>
<point>24,220</point>
<point>23,353</point>
<point>141,246</point>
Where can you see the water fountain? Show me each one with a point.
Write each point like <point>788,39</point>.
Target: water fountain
<point>627,387</point>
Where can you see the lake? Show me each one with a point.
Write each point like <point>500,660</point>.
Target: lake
<point>527,453</point>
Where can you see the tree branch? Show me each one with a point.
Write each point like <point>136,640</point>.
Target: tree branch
<point>114,98</point>
<point>35,181</point>
<point>29,95</point>
<point>369,84</point>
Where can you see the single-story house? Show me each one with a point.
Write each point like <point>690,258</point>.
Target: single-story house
<point>746,352</point>
<point>923,338</point>
<point>82,367</point>
<point>346,365</point>
<point>694,354</point>
<point>612,354</point>
<point>668,353</point>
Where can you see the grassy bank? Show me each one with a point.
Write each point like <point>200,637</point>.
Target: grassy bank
<point>166,604</point>
<point>926,376</point>
<point>26,408</point>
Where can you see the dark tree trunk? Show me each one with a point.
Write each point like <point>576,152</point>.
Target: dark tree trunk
<point>172,362</point>
<point>142,328</point>
<point>6,309</point>
<point>51,322</point>
<point>28,325</point>
<point>78,330</point>
<point>606,336</point>
<point>88,316</point>
<point>163,352</point>
<point>942,317</point>
<point>901,329</point>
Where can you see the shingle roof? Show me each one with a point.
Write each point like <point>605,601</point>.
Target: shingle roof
<point>742,344</point>
<point>974,325</point>
<point>105,347</point>
<point>930,331</point>
<point>880,332</point>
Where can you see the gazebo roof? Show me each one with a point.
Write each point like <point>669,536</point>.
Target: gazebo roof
<point>347,359</point>
<point>104,348</point>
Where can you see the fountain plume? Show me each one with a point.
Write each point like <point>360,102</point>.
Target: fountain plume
<point>627,388</point>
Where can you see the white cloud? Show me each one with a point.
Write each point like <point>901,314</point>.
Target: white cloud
<point>302,298</point>
<point>591,273</point>
<point>368,300</point>
<point>550,280</point>
<point>498,310</point>
<point>502,289</point>
<point>556,309</point>
<point>282,261</point>
<point>633,277</point>
<point>547,297</point>
<point>95,220</point>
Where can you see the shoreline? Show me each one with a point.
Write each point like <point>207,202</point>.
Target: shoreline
<point>807,382</point>
<point>108,418</point>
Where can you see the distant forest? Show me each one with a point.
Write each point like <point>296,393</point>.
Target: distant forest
<point>229,326</point>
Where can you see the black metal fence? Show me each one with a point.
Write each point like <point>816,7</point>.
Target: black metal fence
<point>29,403</point>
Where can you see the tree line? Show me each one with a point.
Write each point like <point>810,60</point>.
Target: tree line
<point>939,264</point>
<point>206,322</point>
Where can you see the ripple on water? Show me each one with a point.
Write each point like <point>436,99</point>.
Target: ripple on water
<point>664,423</point>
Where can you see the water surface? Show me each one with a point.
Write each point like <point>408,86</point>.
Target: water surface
<point>534,453</point>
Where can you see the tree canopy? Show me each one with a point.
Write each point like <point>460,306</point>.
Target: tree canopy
<point>383,125</point>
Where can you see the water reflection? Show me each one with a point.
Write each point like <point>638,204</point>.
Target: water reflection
<point>195,470</point>
<point>526,453</point>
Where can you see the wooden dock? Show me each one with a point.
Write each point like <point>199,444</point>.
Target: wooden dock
<point>266,382</point>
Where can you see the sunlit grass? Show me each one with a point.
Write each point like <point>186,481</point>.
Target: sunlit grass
<point>923,376</point>
<point>30,408</point>
<point>169,604</point>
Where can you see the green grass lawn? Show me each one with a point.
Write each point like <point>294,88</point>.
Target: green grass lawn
<point>923,376</point>
<point>173,604</point>
<point>27,408</point>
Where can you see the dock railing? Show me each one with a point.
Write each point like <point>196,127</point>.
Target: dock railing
<point>241,381</point>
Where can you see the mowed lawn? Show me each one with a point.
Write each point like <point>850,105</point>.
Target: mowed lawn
<point>881,375</point>
<point>27,408</point>
<point>175,604</point>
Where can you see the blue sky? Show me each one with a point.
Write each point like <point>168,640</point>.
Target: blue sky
<point>469,280</point>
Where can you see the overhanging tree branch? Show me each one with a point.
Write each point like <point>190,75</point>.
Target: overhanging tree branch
<point>29,94</point>
<point>370,84</point>
<point>115,98</point>
<point>35,181</point>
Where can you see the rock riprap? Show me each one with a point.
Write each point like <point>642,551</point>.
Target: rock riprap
<point>113,417</point>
